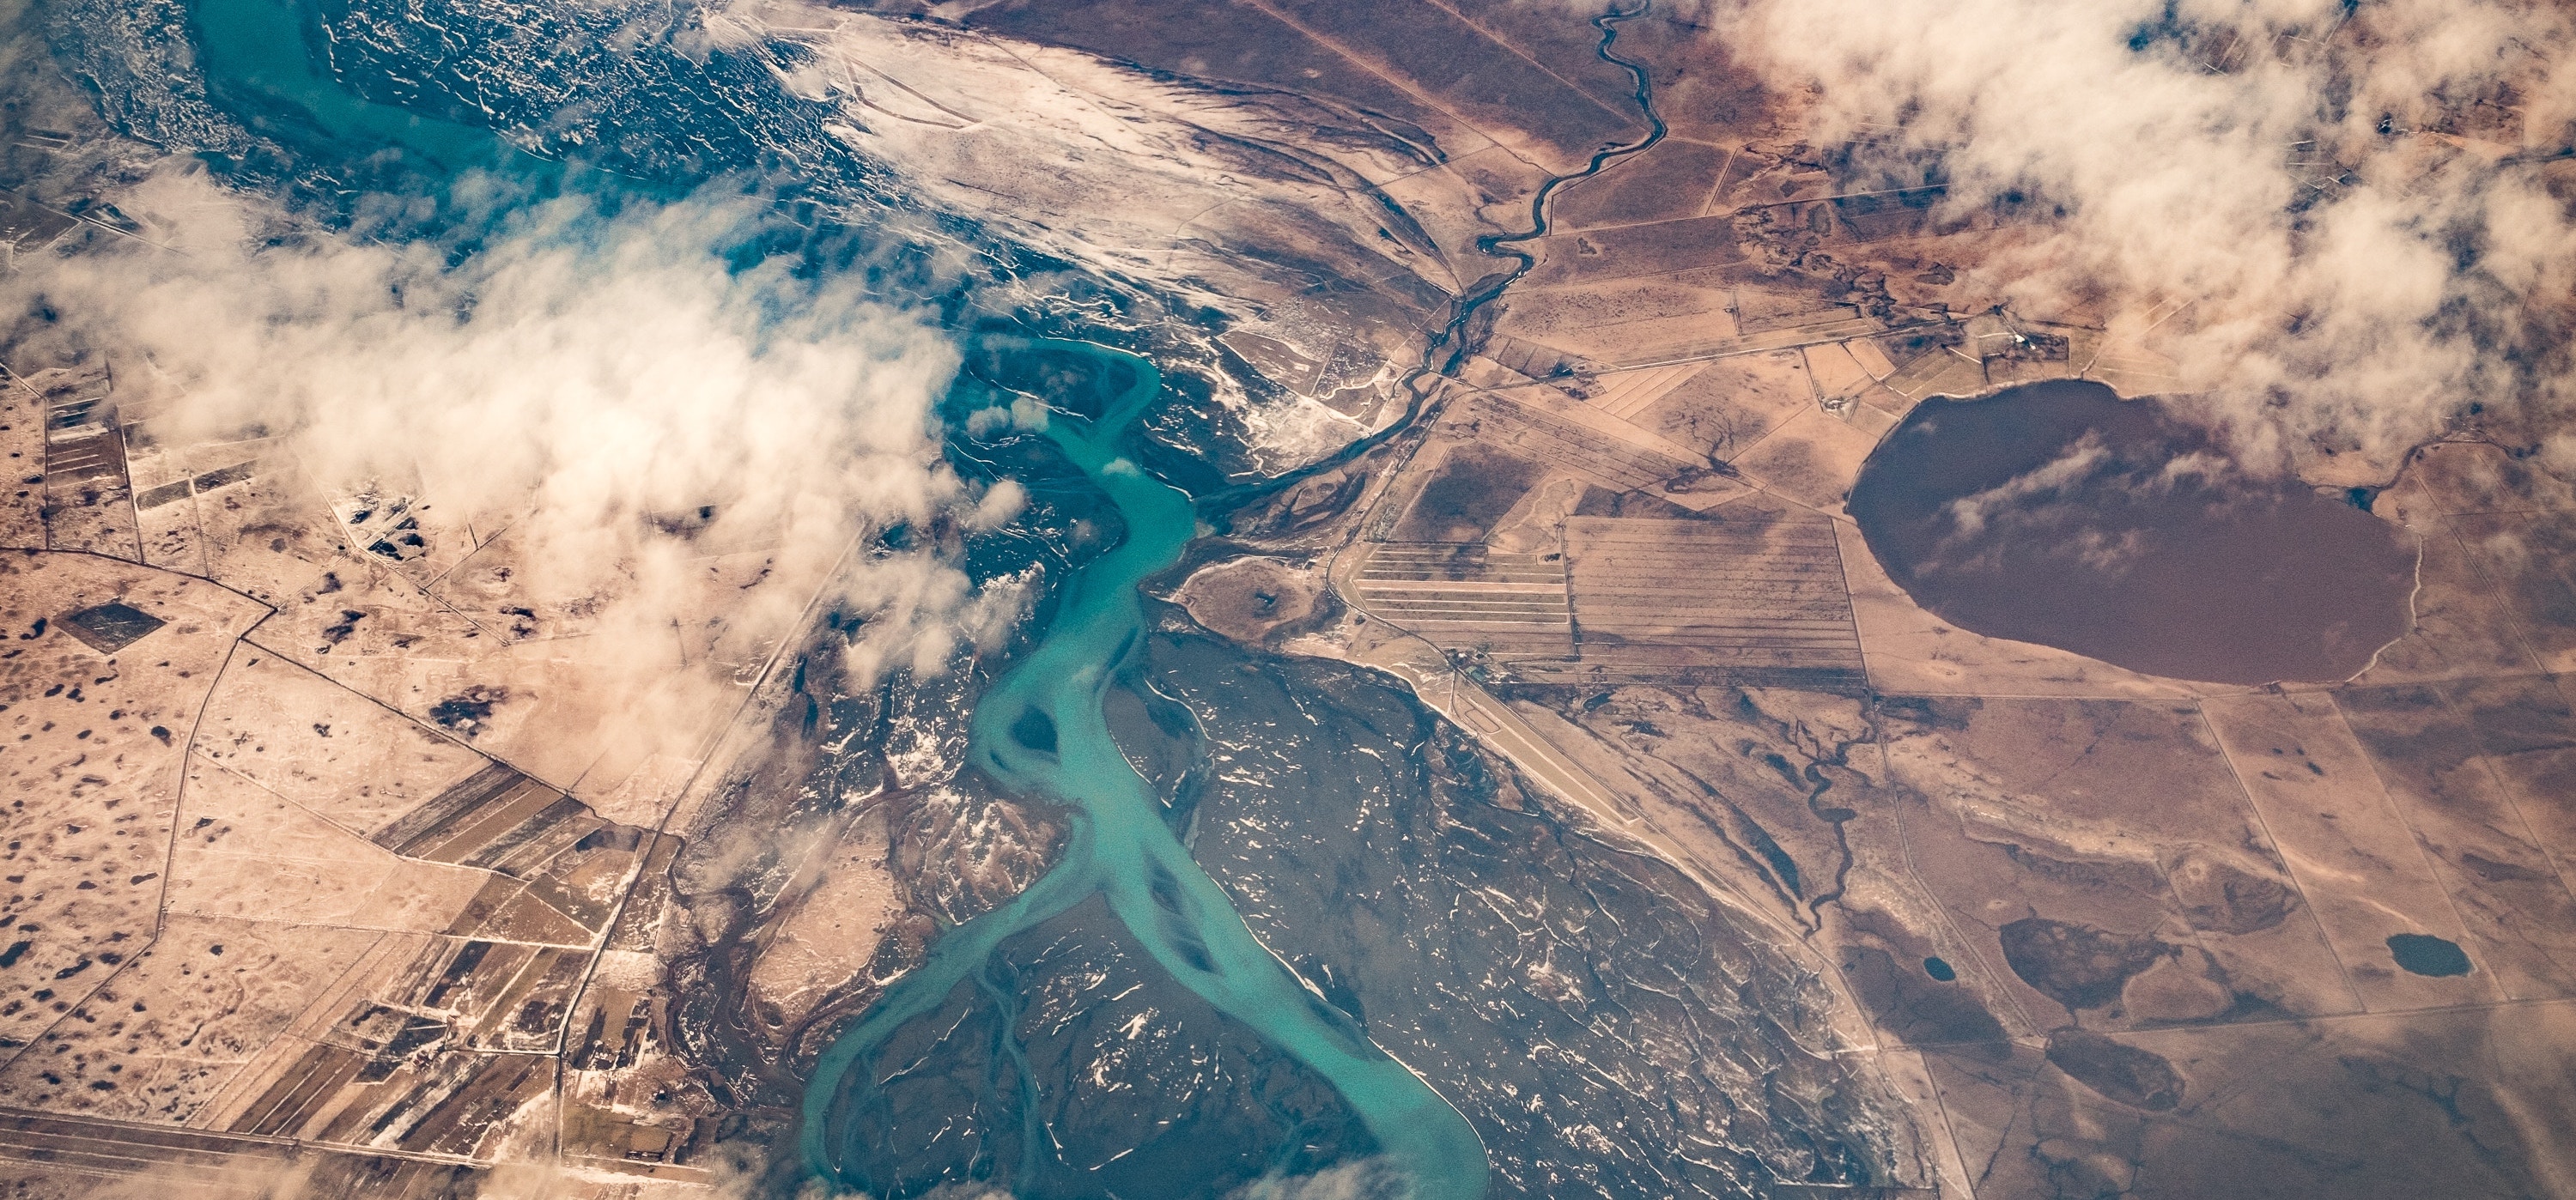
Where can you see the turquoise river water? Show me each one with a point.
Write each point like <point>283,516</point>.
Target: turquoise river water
<point>1040,730</point>
<point>1122,849</point>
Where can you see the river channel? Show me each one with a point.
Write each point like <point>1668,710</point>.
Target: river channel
<point>1041,730</point>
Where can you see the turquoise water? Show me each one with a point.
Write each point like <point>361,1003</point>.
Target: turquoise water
<point>259,53</point>
<point>258,57</point>
<point>1122,849</point>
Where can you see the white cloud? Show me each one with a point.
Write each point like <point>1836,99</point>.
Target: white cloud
<point>582,373</point>
<point>2078,462</point>
<point>2350,287</point>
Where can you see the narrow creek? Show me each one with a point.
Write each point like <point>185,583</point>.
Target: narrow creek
<point>1449,348</point>
<point>1041,730</point>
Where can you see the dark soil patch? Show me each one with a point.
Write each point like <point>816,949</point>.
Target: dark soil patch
<point>2075,964</point>
<point>1473,488</point>
<point>2137,1078</point>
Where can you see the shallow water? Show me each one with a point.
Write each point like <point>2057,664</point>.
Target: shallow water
<point>258,54</point>
<point>2059,514</point>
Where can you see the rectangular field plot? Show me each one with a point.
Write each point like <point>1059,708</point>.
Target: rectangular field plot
<point>1465,597</point>
<point>1534,433</point>
<point>1627,393</point>
<point>1698,601</point>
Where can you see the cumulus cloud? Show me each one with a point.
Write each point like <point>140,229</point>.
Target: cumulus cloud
<point>2353,222</point>
<point>610,397</point>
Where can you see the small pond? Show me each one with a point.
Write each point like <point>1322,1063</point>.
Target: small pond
<point>2424,954</point>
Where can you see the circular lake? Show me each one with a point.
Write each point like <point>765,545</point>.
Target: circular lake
<point>2058,513</point>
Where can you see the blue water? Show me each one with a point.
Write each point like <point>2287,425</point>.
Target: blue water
<point>1122,849</point>
<point>256,53</point>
